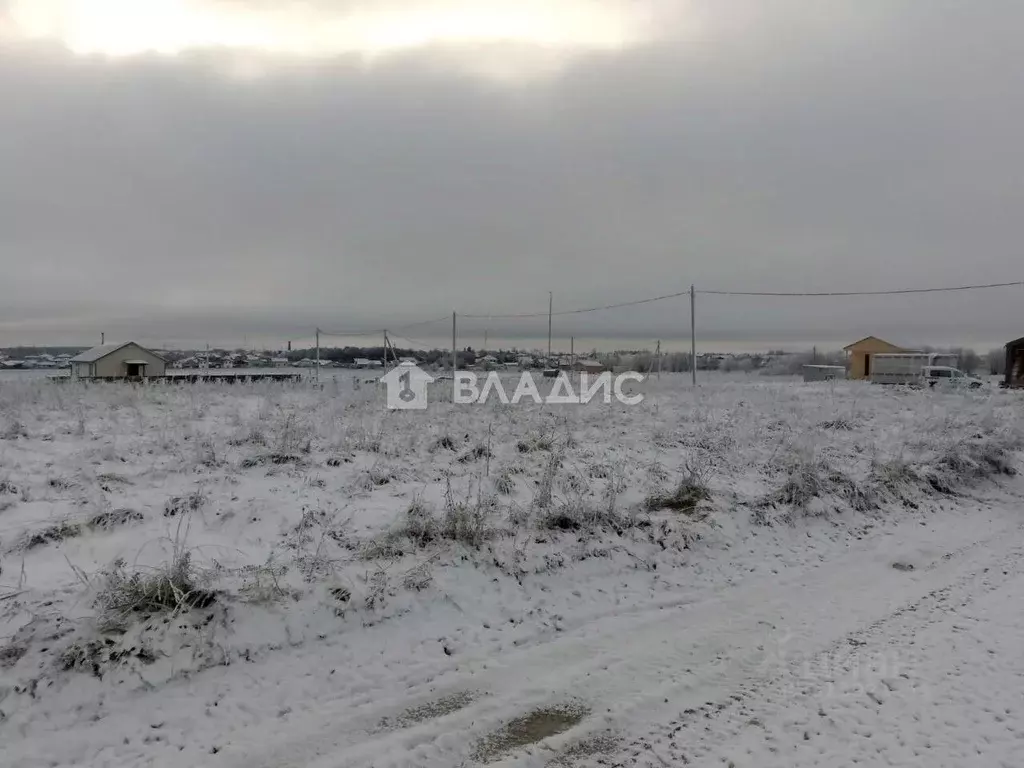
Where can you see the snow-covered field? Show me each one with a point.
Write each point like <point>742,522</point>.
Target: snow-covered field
<point>279,575</point>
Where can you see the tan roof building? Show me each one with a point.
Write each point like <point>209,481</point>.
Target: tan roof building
<point>118,361</point>
<point>860,352</point>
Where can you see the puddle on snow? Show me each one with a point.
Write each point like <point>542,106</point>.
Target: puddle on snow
<point>529,729</point>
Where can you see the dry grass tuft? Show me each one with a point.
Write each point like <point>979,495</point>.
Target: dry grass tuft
<point>53,534</point>
<point>175,588</point>
<point>184,505</point>
<point>688,494</point>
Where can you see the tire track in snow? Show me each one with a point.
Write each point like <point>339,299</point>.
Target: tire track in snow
<point>698,652</point>
<point>690,736</point>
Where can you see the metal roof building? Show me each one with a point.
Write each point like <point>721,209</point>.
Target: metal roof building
<point>118,361</point>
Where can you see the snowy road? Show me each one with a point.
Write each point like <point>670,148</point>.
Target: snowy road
<point>845,658</point>
<point>820,666</point>
<point>938,682</point>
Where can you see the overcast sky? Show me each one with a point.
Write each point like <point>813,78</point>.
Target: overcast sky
<point>179,170</point>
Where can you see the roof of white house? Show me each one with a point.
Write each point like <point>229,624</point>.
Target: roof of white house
<point>98,353</point>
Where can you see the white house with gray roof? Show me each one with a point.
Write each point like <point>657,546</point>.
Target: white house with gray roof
<point>118,361</point>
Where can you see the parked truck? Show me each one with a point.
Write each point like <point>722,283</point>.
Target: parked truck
<point>922,369</point>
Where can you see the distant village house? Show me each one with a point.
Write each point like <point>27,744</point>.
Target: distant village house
<point>861,352</point>
<point>589,366</point>
<point>118,361</point>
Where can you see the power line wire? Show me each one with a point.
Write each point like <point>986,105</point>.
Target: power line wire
<point>423,322</point>
<point>411,341</point>
<point>377,331</point>
<point>679,294</point>
<point>582,311</point>
<point>370,332</point>
<point>891,292</point>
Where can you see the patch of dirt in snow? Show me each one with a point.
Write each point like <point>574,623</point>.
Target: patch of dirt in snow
<point>431,710</point>
<point>602,744</point>
<point>531,728</point>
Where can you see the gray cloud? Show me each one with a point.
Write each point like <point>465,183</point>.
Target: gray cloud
<point>861,145</point>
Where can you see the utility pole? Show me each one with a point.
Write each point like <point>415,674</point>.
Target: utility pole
<point>317,355</point>
<point>693,334</point>
<point>385,351</point>
<point>103,338</point>
<point>657,354</point>
<point>455,356</point>
<point>572,351</point>
<point>551,301</point>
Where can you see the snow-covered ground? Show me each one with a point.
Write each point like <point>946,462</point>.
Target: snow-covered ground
<point>757,572</point>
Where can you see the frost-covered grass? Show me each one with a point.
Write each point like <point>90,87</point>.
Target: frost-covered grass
<point>258,516</point>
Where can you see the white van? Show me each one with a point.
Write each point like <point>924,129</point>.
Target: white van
<point>943,375</point>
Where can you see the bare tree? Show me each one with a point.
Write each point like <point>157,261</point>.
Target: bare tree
<point>996,360</point>
<point>968,360</point>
